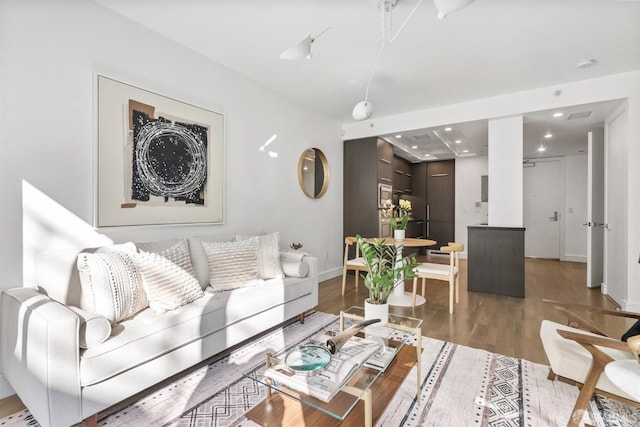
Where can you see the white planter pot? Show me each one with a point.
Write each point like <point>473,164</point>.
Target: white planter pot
<point>398,234</point>
<point>376,311</point>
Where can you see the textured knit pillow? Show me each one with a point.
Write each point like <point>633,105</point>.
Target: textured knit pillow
<point>110,285</point>
<point>232,264</point>
<point>177,254</point>
<point>167,284</point>
<point>268,255</point>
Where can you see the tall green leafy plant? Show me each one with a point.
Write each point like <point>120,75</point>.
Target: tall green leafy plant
<point>385,269</point>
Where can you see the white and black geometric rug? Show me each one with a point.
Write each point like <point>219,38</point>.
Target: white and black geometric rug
<point>460,386</point>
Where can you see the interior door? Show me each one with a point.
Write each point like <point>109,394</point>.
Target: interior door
<point>595,208</point>
<point>541,198</point>
<point>615,271</point>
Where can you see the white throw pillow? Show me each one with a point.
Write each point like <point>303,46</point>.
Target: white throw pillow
<point>177,254</point>
<point>94,329</point>
<point>168,285</point>
<point>232,264</point>
<point>268,255</point>
<point>110,285</point>
<point>295,268</point>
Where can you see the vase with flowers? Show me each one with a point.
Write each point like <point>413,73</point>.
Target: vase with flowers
<point>386,267</point>
<point>399,223</point>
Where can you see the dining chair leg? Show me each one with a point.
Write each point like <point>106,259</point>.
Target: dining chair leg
<point>357,273</point>
<point>415,288</point>
<point>451,291</point>
<point>344,279</point>
<point>457,288</point>
<point>424,282</point>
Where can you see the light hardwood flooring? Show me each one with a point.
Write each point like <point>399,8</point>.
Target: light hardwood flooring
<point>499,324</point>
<point>505,325</point>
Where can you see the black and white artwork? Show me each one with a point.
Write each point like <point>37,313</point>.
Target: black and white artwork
<point>159,159</point>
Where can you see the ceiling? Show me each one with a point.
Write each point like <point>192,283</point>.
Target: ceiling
<point>489,48</point>
<point>568,135</point>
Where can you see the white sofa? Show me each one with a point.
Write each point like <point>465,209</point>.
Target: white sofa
<point>43,330</point>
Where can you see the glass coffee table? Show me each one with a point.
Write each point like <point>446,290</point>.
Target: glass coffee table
<point>371,387</point>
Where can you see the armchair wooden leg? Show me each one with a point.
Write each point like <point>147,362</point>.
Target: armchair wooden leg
<point>552,375</point>
<point>302,318</point>
<point>598,363</point>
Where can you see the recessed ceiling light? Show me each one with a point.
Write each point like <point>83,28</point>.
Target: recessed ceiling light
<point>414,146</point>
<point>548,135</point>
<point>541,149</point>
<point>458,141</point>
<point>558,114</point>
<point>398,136</point>
<point>586,63</point>
<point>427,155</point>
<point>465,151</point>
<point>447,129</point>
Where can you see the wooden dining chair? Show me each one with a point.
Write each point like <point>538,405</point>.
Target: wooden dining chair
<point>357,263</point>
<point>446,272</point>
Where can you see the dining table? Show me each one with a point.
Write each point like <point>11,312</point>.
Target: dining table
<point>399,297</point>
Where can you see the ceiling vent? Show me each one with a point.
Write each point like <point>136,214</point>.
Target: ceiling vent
<point>581,115</point>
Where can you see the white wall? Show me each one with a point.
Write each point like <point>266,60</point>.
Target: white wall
<point>575,209</point>
<point>51,52</point>
<point>505,172</point>
<point>615,86</point>
<point>468,195</point>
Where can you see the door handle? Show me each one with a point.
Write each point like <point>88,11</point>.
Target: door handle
<point>588,224</point>
<point>554,217</point>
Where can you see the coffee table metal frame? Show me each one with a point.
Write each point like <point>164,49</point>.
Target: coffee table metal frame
<point>397,322</point>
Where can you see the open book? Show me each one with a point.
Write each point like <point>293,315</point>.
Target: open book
<point>325,384</point>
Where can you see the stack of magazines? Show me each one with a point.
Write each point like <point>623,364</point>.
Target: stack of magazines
<point>344,364</point>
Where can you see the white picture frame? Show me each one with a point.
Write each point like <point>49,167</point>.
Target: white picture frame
<point>159,160</point>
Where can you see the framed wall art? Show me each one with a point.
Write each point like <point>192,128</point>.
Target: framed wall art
<point>160,160</point>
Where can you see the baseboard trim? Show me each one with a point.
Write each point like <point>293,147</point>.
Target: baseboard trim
<point>329,274</point>
<point>574,258</point>
<point>5,389</point>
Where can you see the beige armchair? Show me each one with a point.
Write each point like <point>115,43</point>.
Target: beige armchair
<point>578,354</point>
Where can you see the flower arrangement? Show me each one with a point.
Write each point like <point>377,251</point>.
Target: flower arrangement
<point>387,208</point>
<point>405,208</point>
<point>385,270</point>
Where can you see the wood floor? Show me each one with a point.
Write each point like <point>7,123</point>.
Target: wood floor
<point>499,324</point>
<point>505,325</point>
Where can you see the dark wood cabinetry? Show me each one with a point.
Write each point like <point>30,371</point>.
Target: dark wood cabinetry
<point>441,204</point>
<point>367,162</point>
<point>402,177</point>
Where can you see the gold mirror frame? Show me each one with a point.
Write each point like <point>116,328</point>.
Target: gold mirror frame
<point>308,158</point>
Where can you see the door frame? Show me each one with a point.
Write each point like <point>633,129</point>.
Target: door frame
<point>622,109</point>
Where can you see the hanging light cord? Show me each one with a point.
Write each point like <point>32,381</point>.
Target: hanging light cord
<point>366,94</point>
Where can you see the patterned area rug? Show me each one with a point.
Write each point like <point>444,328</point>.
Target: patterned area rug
<point>461,386</point>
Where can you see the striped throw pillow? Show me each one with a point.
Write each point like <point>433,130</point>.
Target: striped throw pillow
<point>232,264</point>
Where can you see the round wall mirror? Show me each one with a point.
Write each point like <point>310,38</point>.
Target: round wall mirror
<point>313,173</point>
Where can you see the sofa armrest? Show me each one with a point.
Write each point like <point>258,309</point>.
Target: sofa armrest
<point>313,274</point>
<point>40,355</point>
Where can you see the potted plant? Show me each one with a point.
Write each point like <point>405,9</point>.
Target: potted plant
<point>386,267</point>
<point>400,223</point>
